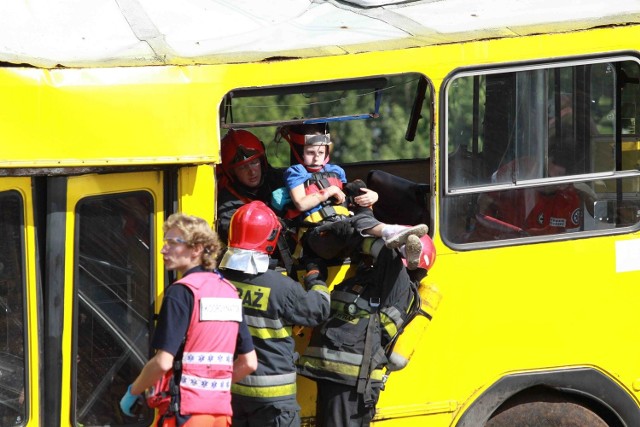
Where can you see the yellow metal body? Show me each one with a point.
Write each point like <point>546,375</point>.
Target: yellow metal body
<point>530,307</point>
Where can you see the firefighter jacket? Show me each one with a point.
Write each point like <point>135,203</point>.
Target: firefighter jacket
<point>232,195</point>
<point>207,358</point>
<point>367,313</point>
<point>273,304</point>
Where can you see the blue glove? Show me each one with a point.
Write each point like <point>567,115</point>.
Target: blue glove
<point>127,402</point>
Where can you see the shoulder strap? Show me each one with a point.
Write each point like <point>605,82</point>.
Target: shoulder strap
<point>364,380</point>
<point>285,255</point>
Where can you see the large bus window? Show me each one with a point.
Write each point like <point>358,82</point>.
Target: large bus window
<point>114,303</point>
<point>12,284</point>
<point>380,131</point>
<point>389,98</point>
<point>541,151</point>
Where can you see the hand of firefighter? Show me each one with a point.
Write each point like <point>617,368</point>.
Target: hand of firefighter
<point>366,198</point>
<point>128,401</point>
<point>316,274</point>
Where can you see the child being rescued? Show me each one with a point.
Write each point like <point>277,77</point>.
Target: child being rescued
<point>331,208</point>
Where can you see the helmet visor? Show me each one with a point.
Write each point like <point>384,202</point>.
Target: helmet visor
<point>244,155</point>
<point>324,139</point>
<point>321,139</point>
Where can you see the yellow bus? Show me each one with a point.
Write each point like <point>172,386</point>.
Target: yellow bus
<point>111,120</point>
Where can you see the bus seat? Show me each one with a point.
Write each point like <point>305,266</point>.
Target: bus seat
<point>400,200</point>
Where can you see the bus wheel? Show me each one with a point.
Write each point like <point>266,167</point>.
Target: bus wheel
<point>551,414</point>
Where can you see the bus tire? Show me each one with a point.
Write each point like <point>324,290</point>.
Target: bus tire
<point>548,414</point>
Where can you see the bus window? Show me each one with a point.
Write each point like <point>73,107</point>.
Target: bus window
<point>380,132</point>
<point>12,283</point>
<point>542,151</point>
<point>355,140</point>
<point>114,303</point>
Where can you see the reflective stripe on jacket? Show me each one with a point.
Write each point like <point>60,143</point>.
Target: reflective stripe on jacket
<point>273,304</point>
<point>336,349</point>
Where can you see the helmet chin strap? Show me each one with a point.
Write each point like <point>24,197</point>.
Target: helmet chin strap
<point>317,168</point>
<point>239,190</point>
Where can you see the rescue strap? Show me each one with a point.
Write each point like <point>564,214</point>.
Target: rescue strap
<point>173,391</point>
<point>236,194</point>
<point>320,179</point>
<point>174,384</point>
<point>326,212</point>
<point>285,254</point>
<point>371,306</point>
<point>364,386</point>
<point>350,304</point>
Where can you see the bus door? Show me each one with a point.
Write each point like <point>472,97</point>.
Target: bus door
<point>19,346</point>
<point>104,233</point>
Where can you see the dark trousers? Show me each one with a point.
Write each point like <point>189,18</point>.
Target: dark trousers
<point>339,238</point>
<point>247,413</point>
<point>340,405</point>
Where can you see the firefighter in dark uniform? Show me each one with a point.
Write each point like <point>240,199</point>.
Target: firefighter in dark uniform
<point>244,175</point>
<point>273,303</point>
<point>349,354</point>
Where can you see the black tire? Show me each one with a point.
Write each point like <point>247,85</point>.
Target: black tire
<point>545,414</point>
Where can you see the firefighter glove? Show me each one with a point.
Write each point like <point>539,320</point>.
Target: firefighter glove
<point>313,278</point>
<point>317,266</point>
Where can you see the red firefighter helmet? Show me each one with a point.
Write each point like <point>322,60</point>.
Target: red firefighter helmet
<point>254,227</point>
<point>240,147</point>
<point>299,136</point>
<point>427,254</point>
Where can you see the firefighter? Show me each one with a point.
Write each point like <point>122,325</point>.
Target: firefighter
<point>244,176</point>
<point>551,209</point>
<point>349,354</point>
<point>273,303</point>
